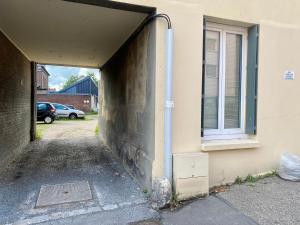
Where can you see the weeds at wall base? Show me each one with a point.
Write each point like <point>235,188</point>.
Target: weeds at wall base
<point>174,201</point>
<point>250,179</point>
<point>253,178</point>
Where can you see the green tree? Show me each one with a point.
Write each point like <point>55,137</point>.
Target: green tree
<point>72,79</point>
<point>93,76</point>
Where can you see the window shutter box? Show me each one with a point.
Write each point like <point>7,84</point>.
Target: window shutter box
<point>252,69</point>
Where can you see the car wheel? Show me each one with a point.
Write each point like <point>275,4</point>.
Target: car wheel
<point>48,120</point>
<point>73,116</point>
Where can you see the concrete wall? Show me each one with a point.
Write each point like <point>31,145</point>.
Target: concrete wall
<point>15,99</point>
<point>126,100</point>
<point>81,102</point>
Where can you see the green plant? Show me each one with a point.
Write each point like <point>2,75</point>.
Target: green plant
<point>174,201</point>
<point>251,178</point>
<point>145,190</point>
<point>239,180</point>
<point>40,128</point>
<point>97,130</point>
<point>38,134</point>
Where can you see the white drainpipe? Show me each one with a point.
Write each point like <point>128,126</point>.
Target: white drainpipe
<point>168,165</point>
<point>169,104</point>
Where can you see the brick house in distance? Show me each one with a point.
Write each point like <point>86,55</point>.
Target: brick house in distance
<point>42,79</point>
<point>83,95</point>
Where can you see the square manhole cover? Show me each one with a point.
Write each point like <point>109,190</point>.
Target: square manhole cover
<point>64,193</point>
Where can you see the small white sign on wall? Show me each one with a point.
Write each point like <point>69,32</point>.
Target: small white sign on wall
<point>289,75</point>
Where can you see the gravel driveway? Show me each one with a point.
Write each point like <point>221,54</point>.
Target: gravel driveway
<point>70,129</point>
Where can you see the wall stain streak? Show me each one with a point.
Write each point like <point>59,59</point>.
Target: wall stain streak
<point>127,91</point>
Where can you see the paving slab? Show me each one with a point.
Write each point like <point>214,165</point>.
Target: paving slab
<point>207,211</point>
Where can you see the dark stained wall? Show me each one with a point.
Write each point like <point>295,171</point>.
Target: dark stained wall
<point>127,91</point>
<point>15,100</point>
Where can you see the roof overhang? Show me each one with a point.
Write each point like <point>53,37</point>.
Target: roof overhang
<point>75,32</point>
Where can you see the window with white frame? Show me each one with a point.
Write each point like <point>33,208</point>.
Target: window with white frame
<point>225,80</point>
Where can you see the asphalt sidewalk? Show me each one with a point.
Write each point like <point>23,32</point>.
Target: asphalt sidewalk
<point>268,201</point>
<point>208,211</point>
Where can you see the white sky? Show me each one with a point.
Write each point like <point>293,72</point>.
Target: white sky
<point>60,74</point>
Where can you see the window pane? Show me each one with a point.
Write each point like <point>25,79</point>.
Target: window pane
<point>211,89</point>
<point>60,107</point>
<point>233,64</point>
<point>41,106</point>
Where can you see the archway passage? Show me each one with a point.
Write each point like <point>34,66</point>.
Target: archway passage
<point>71,33</point>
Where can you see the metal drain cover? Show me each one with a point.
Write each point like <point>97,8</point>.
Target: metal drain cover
<point>64,193</point>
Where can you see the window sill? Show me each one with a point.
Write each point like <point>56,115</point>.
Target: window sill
<point>233,144</point>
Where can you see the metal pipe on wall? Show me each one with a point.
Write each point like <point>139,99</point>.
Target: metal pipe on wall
<point>169,104</point>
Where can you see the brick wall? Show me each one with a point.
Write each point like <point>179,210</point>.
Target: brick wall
<point>15,100</point>
<point>41,79</point>
<point>78,101</point>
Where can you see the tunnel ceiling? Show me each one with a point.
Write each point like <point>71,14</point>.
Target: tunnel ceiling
<point>66,33</point>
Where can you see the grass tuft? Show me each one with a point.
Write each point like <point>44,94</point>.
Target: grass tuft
<point>251,179</point>
<point>239,180</point>
<point>38,134</point>
<point>174,201</point>
<point>40,129</point>
<point>97,130</point>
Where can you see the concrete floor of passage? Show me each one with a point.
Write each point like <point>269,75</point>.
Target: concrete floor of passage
<point>57,161</point>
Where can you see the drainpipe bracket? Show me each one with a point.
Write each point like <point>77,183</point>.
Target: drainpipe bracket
<point>169,104</point>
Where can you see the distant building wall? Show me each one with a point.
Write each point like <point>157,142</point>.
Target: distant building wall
<point>42,79</point>
<point>15,98</point>
<point>81,102</point>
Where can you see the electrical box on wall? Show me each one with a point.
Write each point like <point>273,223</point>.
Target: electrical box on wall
<point>190,174</point>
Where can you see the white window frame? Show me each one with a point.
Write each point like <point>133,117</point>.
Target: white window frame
<point>221,132</point>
